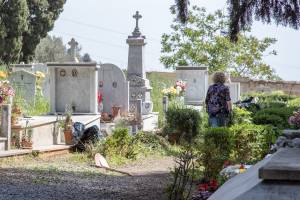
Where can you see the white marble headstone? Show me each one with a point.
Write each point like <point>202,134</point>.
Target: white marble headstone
<point>196,79</point>
<point>235,91</point>
<point>114,88</point>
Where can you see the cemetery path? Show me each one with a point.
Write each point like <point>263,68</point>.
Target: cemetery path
<point>22,181</point>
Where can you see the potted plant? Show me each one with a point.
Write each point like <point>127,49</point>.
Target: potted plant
<point>67,125</point>
<point>15,114</point>
<point>26,141</point>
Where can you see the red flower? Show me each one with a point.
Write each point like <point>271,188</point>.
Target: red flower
<point>203,187</point>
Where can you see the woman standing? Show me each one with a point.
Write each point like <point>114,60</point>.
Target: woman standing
<point>218,101</point>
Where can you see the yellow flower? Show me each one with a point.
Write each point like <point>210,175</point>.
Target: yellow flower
<point>40,74</point>
<point>3,74</point>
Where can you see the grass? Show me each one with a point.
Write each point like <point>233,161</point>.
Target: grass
<point>158,82</point>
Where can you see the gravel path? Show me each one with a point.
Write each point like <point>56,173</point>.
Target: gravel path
<point>149,180</point>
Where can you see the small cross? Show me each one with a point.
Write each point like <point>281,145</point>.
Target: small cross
<point>73,48</point>
<point>137,16</point>
<point>136,31</point>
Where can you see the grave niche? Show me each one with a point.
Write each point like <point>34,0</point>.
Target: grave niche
<point>73,84</point>
<point>113,87</point>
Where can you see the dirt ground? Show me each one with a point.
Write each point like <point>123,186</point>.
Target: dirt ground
<point>73,177</point>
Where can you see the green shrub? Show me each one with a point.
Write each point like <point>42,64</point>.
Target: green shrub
<point>251,142</point>
<point>240,116</point>
<point>151,142</point>
<point>183,121</point>
<point>277,117</point>
<point>215,150</point>
<point>294,103</point>
<point>273,104</point>
<point>120,143</point>
<point>276,96</point>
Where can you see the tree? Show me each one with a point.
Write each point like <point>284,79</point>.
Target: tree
<point>283,12</point>
<point>201,42</point>
<point>51,49</point>
<point>43,14</point>
<point>12,26</point>
<point>23,23</point>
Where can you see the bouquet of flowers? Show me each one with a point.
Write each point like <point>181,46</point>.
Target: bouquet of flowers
<point>180,87</point>
<point>295,119</point>
<point>6,91</point>
<point>175,91</point>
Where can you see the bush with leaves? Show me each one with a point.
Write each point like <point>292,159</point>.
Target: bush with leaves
<point>183,121</point>
<point>215,149</point>
<point>294,103</point>
<point>240,116</point>
<point>277,117</point>
<point>250,142</point>
<point>120,143</point>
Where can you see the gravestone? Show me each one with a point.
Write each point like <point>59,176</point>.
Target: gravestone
<point>139,84</point>
<point>196,79</point>
<point>113,87</point>
<point>33,68</point>
<point>24,83</point>
<point>235,91</point>
<point>74,84</point>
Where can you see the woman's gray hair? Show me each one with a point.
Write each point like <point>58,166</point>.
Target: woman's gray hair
<point>219,77</point>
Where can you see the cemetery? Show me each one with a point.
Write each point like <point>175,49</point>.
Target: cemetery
<point>75,128</point>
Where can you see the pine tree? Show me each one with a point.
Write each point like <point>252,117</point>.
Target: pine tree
<point>12,27</point>
<point>242,12</point>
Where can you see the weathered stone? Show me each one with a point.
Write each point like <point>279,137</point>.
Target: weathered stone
<point>139,85</point>
<point>291,134</point>
<point>113,87</point>
<point>196,79</point>
<point>281,141</point>
<point>296,142</point>
<point>24,83</point>
<point>248,186</point>
<point>74,84</point>
<point>6,124</point>
<point>284,166</point>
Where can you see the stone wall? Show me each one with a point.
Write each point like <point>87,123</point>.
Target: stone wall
<point>248,85</point>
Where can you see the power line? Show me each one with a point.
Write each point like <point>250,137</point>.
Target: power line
<point>101,42</point>
<point>103,28</point>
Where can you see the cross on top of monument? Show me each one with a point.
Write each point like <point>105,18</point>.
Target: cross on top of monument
<point>73,49</point>
<point>136,31</point>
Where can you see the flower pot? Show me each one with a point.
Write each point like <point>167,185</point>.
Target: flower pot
<point>26,144</point>
<point>68,137</point>
<point>116,111</point>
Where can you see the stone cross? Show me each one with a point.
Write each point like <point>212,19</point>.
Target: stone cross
<point>136,31</point>
<point>73,49</point>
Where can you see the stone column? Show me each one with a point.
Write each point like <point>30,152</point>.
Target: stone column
<point>6,124</point>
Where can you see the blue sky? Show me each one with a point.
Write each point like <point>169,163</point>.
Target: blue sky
<point>101,27</point>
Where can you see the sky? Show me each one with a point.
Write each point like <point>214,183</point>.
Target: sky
<point>101,27</point>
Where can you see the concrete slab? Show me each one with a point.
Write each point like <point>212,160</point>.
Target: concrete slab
<point>284,166</point>
<point>249,186</point>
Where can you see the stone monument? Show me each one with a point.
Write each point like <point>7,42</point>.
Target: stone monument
<point>136,75</point>
<point>196,79</point>
<point>114,88</point>
<point>74,84</point>
<point>24,83</point>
